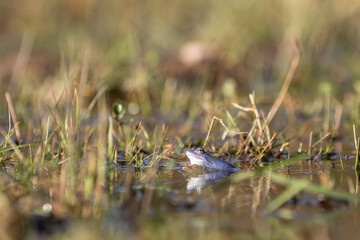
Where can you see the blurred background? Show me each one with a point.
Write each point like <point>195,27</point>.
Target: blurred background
<point>166,56</point>
<point>168,67</point>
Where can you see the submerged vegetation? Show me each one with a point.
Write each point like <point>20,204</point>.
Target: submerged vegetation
<point>101,100</point>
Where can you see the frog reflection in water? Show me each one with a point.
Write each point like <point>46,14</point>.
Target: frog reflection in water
<point>198,156</point>
<point>216,168</point>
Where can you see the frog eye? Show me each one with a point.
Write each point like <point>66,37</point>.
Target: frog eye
<point>200,150</point>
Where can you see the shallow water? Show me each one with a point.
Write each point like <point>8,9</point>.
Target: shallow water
<point>209,202</point>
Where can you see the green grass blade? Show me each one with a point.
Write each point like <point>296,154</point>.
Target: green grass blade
<point>313,188</point>
<point>286,195</point>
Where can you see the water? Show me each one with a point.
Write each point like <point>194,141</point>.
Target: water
<point>202,203</point>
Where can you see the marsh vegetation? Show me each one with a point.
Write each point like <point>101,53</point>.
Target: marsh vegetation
<point>100,100</point>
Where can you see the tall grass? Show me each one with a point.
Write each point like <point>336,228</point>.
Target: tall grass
<point>91,88</point>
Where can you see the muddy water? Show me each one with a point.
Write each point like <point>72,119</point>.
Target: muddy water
<point>202,203</point>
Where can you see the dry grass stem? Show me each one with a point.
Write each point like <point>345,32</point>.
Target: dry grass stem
<point>23,56</point>
<point>355,137</point>
<point>310,142</point>
<point>13,116</point>
<point>13,145</point>
<point>267,145</point>
<point>321,139</point>
<point>223,124</point>
<point>285,87</point>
